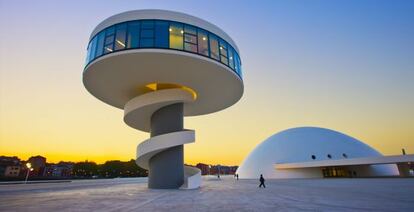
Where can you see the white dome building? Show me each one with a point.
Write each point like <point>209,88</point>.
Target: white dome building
<point>312,152</point>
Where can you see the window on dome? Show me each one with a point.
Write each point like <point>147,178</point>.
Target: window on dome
<point>231,58</point>
<point>100,44</point>
<point>108,48</point>
<point>147,34</point>
<point>133,34</point>
<point>190,29</point>
<point>237,64</point>
<point>120,37</point>
<point>148,24</point>
<point>161,34</point>
<point>223,52</point>
<point>109,40</point>
<point>110,31</point>
<point>214,49</point>
<point>91,50</point>
<point>176,36</point>
<point>190,38</point>
<point>202,42</point>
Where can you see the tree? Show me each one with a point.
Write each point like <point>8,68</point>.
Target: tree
<point>116,168</point>
<point>85,169</point>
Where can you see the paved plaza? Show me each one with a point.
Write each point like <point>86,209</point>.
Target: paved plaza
<point>227,194</point>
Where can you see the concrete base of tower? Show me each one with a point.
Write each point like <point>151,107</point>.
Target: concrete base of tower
<point>166,168</point>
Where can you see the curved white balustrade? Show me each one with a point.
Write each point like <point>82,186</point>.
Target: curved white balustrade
<point>138,111</point>
<point>192,178</point>
<point>137,114</point>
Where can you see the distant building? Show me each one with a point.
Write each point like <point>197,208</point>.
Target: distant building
<point>205,169</point>
<point>223,170</point>
<point>216,169</point>
<point>12,171</point>
<point>232,170</point>
<point>9,166</point>
<point>62,169</point>
<point>66,168</point>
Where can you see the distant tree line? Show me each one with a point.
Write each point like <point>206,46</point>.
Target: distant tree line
<point>110,169</point>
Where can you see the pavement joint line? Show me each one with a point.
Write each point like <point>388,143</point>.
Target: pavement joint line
<point>152,199</point>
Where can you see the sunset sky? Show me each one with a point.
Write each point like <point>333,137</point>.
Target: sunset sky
<point>343,65</point>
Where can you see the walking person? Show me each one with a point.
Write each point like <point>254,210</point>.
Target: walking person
<point>237,176</point>
<point>262,180</point>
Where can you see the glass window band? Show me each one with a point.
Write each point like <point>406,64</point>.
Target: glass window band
<point>165,35</point>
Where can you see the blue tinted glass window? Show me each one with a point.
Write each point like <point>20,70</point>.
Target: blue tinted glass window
<point>161,34</point>
<point>88,53</point>
<point>147,42</point>
<point>190,38</point>
<point>147,24</point>
<point>202,42</point>
<point>120,37</point>
<point>237,64</point>
<point>110,31</point>
<point>133,34</point>
<point>108,49</point>
<point>223,52</point>
<point>109,40</point>
<point>100,44</point>
<point>147,33</point>
<point>240,68</point>
<point>190,30</point>
<point>231,58</point>
<point>92,48</point>
<point>214,49</point>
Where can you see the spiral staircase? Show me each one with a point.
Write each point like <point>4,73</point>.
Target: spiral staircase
<point>137,114</point>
